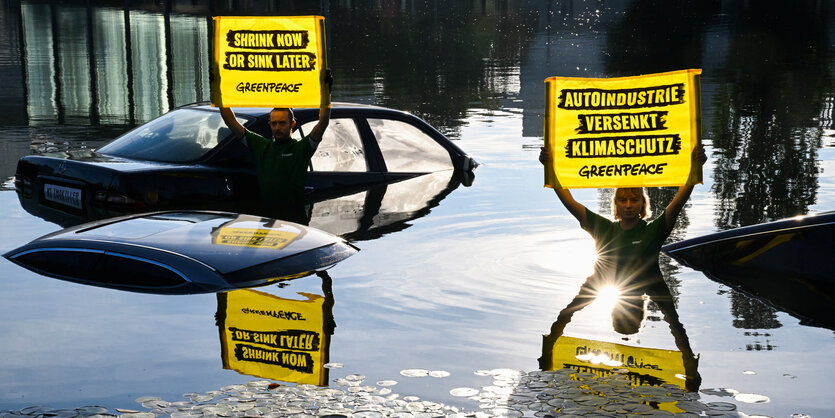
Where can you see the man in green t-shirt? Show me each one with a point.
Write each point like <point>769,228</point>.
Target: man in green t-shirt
<point>282,162</point>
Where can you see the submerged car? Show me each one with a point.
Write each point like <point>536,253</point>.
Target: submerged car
<point>182,252</point>
<point>187,159</point>
<point>788,263</point>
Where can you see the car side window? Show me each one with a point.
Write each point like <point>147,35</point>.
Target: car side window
<point>297,133</point>
<point>341,147</point>
<point>406,148</point>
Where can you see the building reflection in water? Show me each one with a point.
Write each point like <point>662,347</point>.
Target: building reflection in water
<point>99,65</point>
<point>266,336</point>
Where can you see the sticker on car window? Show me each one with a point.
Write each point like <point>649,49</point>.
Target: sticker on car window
<point>254,237</point>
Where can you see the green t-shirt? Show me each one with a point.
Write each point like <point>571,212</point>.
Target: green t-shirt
<point>282,167</point>
<point>626,255</point>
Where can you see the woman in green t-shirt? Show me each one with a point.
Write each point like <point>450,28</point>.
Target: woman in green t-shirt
<point>627,259</point>
<point>628,247</point>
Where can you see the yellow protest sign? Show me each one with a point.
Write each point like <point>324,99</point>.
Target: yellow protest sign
<point>266,336</point>
<point>269,61</point>
<point>622,132</point>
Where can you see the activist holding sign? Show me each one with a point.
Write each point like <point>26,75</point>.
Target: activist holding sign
<point>282,162</point>
<point>628,248</point>
<point>625,132</point>
<point>627,258</point>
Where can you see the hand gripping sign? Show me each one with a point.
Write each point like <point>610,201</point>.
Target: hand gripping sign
<point>622,132</point>
<point>269,62</point>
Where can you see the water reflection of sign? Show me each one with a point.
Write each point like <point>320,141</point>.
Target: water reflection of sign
<point>646,366</point>
<point>270,337</point>
<point>254,237</point>
<point>269,61</point>
<point>622,132</point>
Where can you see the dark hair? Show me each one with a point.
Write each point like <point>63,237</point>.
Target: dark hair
<point>285,109</point>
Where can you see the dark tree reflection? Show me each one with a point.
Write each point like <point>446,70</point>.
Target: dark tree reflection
<point>769,80</point>
<point>767,135</point>
<point>654,37</point>
<point>434,60</point>
<point>767,132</point>
<point>750,313</point>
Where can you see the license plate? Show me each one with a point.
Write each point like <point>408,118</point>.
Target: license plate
<point>67,196</point>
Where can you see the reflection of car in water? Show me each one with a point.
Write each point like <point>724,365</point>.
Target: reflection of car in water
<point>186,159</point>
<point>788,264</point>
<point>180,252</point>
<point>267,336</point>
<point>382,209</point>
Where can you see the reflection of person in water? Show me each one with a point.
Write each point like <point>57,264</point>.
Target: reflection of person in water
<point>627,316</point>
<point>627,257</point>
<point>282,162</point>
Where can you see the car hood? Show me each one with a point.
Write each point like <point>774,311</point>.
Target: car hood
<point>206,250</point>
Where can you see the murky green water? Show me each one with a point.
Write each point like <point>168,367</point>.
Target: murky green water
<point>466,284</point>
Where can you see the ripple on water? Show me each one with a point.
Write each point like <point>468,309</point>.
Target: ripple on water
<point>414,372</point>
<point>751,398</point>
<point>513,393</point>
<point>463,392</point>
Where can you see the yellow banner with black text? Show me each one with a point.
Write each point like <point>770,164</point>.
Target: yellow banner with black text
<point>275,338</point>
<point>622,132</point>
<point>269,61</point>
<point>645,367</point>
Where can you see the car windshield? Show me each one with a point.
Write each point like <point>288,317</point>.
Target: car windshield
<point>179,136</point>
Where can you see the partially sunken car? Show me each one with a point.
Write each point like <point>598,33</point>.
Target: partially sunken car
<point>182,252</point>
<point>187,159</point>
<point>787,263</point>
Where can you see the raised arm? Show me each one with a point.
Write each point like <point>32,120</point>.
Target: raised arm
<point>675,206</point>
<point>232,122</point>
<point>573,206</point>
<point>324,112</point>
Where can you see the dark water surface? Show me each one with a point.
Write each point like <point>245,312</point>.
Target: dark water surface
<point>456,281</point>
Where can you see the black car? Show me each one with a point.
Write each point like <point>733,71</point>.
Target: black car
<point>187,159</point>
<point>182,252</point>
<point>787,264</point>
